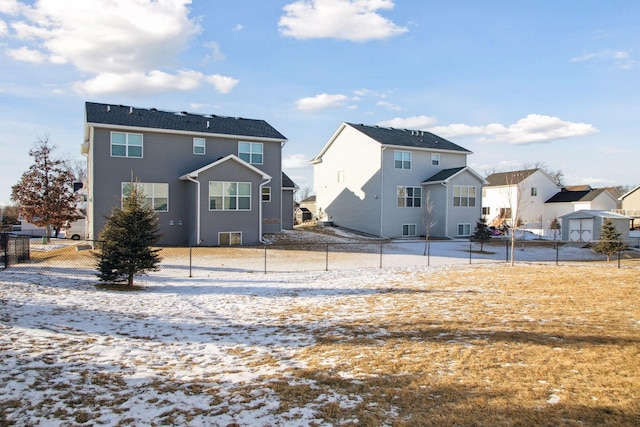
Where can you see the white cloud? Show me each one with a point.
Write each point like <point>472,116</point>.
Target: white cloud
<point>27,55</point>
<point>416,122</point>
<point>238,27</point>
<point>216,53</point>
<point>3,29</point>
<point>320,102</point>
<point>140,83</point>
<point>295,161</point>
<point>10,7</point>
<point>111,42</point>
<point>535,128</point>
<point>354,20</point>
<point>621,58</point>
<point>388,105</point>
<point>223,84</point>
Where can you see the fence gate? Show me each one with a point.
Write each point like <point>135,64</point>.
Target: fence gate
<point>13,250</point>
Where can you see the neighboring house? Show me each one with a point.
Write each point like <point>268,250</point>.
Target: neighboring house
<point>309,203</point>
<point>377,179</point>
<point>212,180</point>
<point>303,215</point>
<point>585,225</point>
<point>630,205</point>
<point>587,198</point>
<point>519,193</point>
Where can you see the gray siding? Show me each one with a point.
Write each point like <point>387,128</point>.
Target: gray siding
<point>166,157</point>
<point>213,222</point>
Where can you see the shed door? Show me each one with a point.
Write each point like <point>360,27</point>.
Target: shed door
<point>581,229</point>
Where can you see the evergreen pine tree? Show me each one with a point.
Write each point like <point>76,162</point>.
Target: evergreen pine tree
<point>126,240</point>
<point>610,240</point>
<point>482,233</point>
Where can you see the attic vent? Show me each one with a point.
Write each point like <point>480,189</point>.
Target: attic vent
<point>154,109</point>
<point>184,112</point>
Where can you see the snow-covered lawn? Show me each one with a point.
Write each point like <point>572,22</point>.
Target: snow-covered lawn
<point>480,344</point>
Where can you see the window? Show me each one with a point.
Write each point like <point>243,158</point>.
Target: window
<point>340,177</point>
<point>402,159</point>
<point>409,197</point>
<point>486,210</point>
<point>126,144</point>
<point>230,238</point>
<point>199,146</point>
<point>464,229</point>
<point>435,160</point>
<point>250,152</point>
<point>266,194</point>
<point>408,229</point>
<point>154,194</point>
<point>534,191</point>
<point>229,196</point>
<point>464,195</point>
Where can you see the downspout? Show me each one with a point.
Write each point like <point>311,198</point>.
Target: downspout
<point>446,209</point>
<point>382,189</point>
<point>260,209</point>
<point>197,209</point>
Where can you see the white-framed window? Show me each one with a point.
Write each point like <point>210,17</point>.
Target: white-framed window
<point>266,194</point>
<point>199,146</point>
<point>402,159</point>
<point>126,144</point>
<point>435,159</point>
<point>155,195</point>
<point>534,191</point>
<point>251,152</point>
<point>409,197</point>
<point>464,195</point>
<point>464,229</point>
<point>229,196</point>
<point>230,238</point>
<point>408,229</point>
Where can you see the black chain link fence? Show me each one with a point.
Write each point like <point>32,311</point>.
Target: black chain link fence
<point>61,256</point>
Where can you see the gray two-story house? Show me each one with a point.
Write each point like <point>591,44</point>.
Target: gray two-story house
<point>380,181</point>
<point>212,180</point>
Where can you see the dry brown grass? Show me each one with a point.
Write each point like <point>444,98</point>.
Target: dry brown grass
<point>530,345</point>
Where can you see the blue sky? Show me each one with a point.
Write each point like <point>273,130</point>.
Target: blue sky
<point>516,82</point>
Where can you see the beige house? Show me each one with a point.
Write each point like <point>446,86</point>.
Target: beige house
<point>630,206</point>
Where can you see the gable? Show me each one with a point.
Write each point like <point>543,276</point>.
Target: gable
<point>229,160</point>
<point>447,174</point>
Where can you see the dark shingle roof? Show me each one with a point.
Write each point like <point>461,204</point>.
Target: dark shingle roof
<point>575,196</point>
<point>407,138</point>
<point>509,178</point>
<point>122,115</point>
<point>287,182</point>
<point>444,174</point>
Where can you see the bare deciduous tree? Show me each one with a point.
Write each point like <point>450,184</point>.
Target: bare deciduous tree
<point>428,219</point>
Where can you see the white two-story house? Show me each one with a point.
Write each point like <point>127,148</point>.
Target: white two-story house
<point>518,194</point>
<point>380,181</point>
